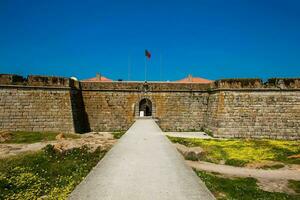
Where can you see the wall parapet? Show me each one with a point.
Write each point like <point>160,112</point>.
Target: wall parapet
<point>144,86</point>
<point>239,83</point>
<point>242,83</point>
<point>283,83</point>
<point>256,83</point>
<point>36,80</point>
<point>11,79</point>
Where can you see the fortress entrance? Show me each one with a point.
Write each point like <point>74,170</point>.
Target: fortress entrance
<point>145,108</point>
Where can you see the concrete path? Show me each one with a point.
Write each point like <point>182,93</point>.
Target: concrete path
<point>199,135</point>
<point>143,165</point>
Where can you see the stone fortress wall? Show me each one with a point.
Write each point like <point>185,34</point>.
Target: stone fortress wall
<point>228,108</point>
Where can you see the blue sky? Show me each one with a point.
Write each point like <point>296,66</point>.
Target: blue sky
<point>208,38</point>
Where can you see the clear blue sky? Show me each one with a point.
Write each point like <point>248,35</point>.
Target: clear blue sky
<point>208,38</point>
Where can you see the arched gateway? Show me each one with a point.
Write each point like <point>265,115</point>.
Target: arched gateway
<point>145,107</point>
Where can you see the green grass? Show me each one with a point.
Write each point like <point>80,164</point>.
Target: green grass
<point>32,137</point>
<point>239,188</point>
<point>238,152</point>
<point>45,173</point>
<point>295,185</point>
<point>208,132</point>
<point>118,134</point>
<point>276,166</point>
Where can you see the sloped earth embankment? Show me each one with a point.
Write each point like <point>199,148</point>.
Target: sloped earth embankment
<point>92,140</point>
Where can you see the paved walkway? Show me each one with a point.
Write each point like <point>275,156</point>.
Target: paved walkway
<point>143,165</point>
<point>199,135</point>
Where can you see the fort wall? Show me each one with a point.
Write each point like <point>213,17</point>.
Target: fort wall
<point>229,108</point>
<point>116,110</point>
<point>27,105</point>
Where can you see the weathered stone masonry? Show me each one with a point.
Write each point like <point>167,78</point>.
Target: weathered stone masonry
<point>230,108</point>
<point>35,108</point>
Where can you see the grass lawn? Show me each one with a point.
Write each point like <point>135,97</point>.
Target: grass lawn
<point>239,188</point>
<point>46,173</point>
<point>32,137</point>
<point>238,152</point>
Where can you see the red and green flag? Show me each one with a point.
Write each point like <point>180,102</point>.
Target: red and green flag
<point>147,54</point>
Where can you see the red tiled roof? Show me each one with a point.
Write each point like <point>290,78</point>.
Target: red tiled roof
<point>191,79</point>
<point>98,78</point>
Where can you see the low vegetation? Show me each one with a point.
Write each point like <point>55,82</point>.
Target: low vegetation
<point>45,174</point>
<point>18,137</point>
<point>118,134</point>
<point>239,188</point>
<point>275,166</point>
<point>238,152</point>
<point>295,185</point>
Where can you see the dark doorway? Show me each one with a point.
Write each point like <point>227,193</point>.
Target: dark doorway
<point>146,107</point>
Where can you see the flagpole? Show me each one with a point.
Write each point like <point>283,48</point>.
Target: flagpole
<point>129,68</point>
<point>160,67</point>
<point>145,68</point>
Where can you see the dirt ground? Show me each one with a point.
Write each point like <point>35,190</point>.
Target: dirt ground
<point>93,140</point>
<point>275,180</point>
<point>271,180</point>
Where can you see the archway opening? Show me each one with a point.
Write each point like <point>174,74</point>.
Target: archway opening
<point>145,107</point>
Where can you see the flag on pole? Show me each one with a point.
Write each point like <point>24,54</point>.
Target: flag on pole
<point>147,54</point>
